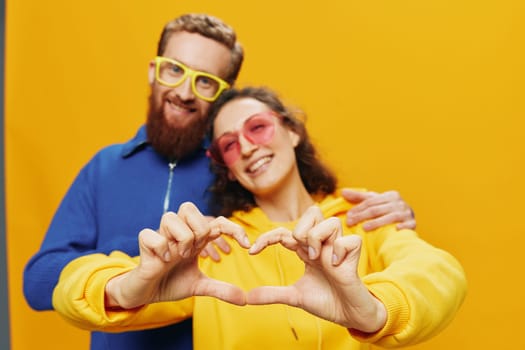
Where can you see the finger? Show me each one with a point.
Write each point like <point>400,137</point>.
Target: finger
<point>279,235</point>
<point>387,218</point>
<point>326,231</point>
<point>222,244</point>
<point>221,225</point>
<point>210,251</point>
<point>178,233</point>
<point>355,196</point>
<point>407,224</point>
<point>198,224</point>
<point>347,247</point>
<point>221,290</point>
<point>153,244</point>
<point>374,199</point>
<point>312,217</point>
<point>209,217</point>
<point>375,211</point>
<point>272,295</point>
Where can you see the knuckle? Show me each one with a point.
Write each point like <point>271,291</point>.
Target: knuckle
<point>220,221</point>
<point>374,211</point>
<point>393,194</point>
<point>186,206</point>
<point>299,235</point>
<point>168,216</point>
<point>397,216</point>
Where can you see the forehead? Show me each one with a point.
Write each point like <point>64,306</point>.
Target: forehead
<point>199,53</point>
<point>235,112</point>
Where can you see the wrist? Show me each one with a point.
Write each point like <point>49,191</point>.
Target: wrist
<point>380,315</point>
<point>111,293</point>
<point>371,319</point>
<point>117,297</point>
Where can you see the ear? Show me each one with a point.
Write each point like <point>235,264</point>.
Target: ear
<point>294,137</point>
<point>151,72</point>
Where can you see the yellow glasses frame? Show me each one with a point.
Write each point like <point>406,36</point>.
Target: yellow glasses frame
<point>193,74</point>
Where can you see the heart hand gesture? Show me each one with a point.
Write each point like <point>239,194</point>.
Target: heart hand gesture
<point>168,268</point>
<point>330,287</point>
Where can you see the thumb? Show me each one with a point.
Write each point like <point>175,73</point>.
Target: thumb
<point>271,295</point>
<point>221,290</point>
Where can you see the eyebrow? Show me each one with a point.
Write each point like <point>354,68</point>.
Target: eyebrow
<point>193,68</point>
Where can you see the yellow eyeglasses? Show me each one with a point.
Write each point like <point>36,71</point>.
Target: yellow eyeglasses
<point>204,85</point>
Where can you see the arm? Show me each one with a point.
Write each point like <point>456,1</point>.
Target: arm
<point>79,297</point>
<point>419,286</point>
<point>379,209</point>
<point>422,286</point>
<point>117,293</point>
<point>72,233</point>
<point>84,225</point>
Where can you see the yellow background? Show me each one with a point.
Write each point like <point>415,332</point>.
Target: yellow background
<point>426,97</point>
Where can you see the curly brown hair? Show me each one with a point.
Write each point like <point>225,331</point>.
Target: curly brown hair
<point>209,27</point>
<point>229,196</point>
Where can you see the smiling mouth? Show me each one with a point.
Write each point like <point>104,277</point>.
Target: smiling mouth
<point>258,164</point>
<point>179,107</point>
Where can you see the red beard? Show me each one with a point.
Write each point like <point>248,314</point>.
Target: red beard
<point>173,143</point>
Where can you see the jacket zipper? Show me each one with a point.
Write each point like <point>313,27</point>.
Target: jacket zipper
<point>166,206</point>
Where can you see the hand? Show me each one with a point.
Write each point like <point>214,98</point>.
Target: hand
<point>168,268</point>
<point>211,251</point>
<point>331,262</point>
<point>379,208</point>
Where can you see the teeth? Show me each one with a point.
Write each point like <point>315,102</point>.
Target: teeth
<point>258,164</point>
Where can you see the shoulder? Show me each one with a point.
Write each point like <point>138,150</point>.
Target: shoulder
<point>333,205</point>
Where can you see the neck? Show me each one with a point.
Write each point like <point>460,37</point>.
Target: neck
<point>287,203</point>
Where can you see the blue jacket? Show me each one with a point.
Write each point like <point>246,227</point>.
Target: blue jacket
<point>122,190</point>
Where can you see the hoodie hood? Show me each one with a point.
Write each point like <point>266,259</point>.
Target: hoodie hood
<point>256,221</point>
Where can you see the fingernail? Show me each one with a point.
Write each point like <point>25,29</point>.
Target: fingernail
<point>246,241</point>
<point>311,252</point>
<point>334,259</point>
<point>167,256</point>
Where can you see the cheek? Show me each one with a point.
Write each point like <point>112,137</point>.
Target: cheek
<point>158,91</point>
<point>283,141</point>
<point>284,148</point>
<point>235,170</point>
<point>203,106</point>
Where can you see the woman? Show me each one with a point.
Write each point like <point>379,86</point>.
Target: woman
<point>322,284</point>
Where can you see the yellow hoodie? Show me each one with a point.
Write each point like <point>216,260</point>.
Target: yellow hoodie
<point>421,286</point>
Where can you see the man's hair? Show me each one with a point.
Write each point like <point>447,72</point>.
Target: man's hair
<point>209,27</point>
<point>229,196</point>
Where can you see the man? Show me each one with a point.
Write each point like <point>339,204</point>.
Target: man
<point>162,166</point>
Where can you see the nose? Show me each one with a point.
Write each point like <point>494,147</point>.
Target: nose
<point>184,90</point>
<point>247,148</point>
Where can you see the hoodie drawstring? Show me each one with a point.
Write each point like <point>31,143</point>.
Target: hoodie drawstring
<point>282,281</point>
<point>166,205</point>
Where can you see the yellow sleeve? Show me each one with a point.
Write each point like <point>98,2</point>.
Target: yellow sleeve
<point>79,297</point>
<point>421,286</point>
